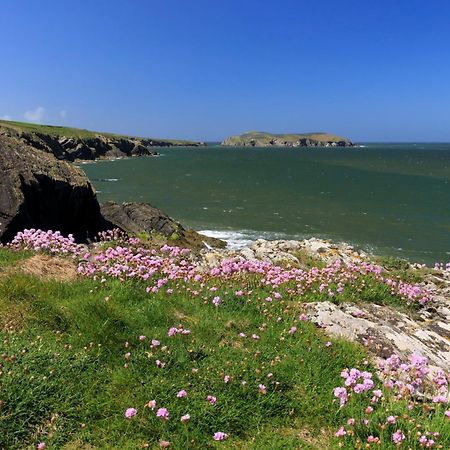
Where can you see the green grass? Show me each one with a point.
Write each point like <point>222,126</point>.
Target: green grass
<point>54,130</point>
<point>66,379</point>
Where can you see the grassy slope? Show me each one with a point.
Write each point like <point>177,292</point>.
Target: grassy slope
<point>67,384</point>
<point>266,137</point>
<point>54,130</point>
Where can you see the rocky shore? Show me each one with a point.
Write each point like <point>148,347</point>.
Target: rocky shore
<point>382,329</point>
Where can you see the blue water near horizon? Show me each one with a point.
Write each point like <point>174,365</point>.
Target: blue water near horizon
<point>391,199</point>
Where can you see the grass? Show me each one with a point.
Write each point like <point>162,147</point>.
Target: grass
<point>54,130</point>
<point>66,378</point>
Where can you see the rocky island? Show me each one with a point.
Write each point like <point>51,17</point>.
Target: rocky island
<point>74,144</point>
<point>262,139</point>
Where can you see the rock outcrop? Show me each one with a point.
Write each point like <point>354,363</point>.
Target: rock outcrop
<point>137,218</point>
<point>261,139</point>
<point>38,191</point>
<point>71,144</point>
<point>385,331</point>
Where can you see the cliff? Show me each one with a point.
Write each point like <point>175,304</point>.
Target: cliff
<point>262,139</point>
<point>77,144</point>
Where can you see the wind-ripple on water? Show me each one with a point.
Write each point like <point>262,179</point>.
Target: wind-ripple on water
<point>387,196</point>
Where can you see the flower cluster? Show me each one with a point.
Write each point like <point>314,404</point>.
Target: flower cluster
<point>405,387</point>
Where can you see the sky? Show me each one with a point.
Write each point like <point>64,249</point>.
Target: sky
<point>206,69</point>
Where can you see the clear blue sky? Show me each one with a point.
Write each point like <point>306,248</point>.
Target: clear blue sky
<point>373,70</point>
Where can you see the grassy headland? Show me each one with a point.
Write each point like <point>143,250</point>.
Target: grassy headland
<point>69,132</point>
<point>227,351</point>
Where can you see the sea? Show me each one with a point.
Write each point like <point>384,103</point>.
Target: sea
<point>390,199</point>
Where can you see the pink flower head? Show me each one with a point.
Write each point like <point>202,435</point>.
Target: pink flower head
<point>328,344</point>
<point>219,436</point>
<point>182,393</point>
<point>211,399</point>
<point>292,330</point>
<point>447,413</point>
<point>162,413</point>
<point>185,418</point>
<point>216,301</point>
<point>398,437</point>
<point>164,444</point>
<point>226,378</point>
<point>341,432</point>
<point>41,446</point>
<point>142,338</point>
<point>172,331</point>
<point>391,420</point>
<point>262,389</point>
<point>130,412</point>
<point>155,343</point>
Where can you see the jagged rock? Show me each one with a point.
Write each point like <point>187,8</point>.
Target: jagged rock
<point>98,146</point>
<point>384,330</point>
<point>139,218</point>
<point>39,191</point>
<point>144,218</point>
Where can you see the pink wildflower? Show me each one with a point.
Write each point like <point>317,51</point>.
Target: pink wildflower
<point>341,432</point>
<point>219,436</point>
<point>262,389</point>
<point>185,418</point>
<point>211,399</point>
<point>130,412</point>
<point>41,446</point>
<point>162,413</point>
<point>182,393</point>
<point>398,437</point>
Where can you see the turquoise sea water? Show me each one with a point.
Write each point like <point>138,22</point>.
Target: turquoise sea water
<point>392,199</point>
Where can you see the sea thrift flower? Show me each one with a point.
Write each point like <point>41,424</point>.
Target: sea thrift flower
<point>226,378</point>
<point>328,344</point>
<point>182,393</point>
<point>151,404</point>
<point>216,301</point>
<point>41,446</point>
<point>447,413</point>
<point>142,338</point>
<point>292,330</point>
<point>341,432</point>
<point>162,413</point>
<point>211,399</point>
<point>155,343</point>
<point>164,444</point>
<point>391,420</point>
<point>219,436</point>
<point>185,418</point>
<point>172,331</point>
<point>130,412</point>
<point>398,437</point>
<point>262,389</point>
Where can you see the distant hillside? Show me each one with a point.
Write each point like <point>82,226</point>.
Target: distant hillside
<point>263,139</point>
<point>78,144</point>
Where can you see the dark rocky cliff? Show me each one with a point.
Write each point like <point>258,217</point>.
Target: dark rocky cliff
<point>72,144</point>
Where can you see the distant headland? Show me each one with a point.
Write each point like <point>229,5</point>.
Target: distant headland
<point>74,144</point>
<point>262,139</point>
